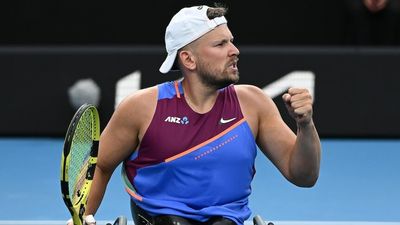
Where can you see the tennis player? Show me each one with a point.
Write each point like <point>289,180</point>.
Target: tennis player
<point>189,146</point>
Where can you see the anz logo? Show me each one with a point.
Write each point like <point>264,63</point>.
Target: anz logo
<point>172,119</point>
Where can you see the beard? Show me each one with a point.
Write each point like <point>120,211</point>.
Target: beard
<point>215,79</point>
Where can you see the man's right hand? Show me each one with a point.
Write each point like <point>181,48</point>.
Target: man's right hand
<point>87,220</point>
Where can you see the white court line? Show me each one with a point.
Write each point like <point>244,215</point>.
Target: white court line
<point>103,222</point>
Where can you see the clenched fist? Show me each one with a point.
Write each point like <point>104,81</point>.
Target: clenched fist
<point>299,102</point>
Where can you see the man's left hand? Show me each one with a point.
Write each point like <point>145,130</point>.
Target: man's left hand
<point>299,103</point>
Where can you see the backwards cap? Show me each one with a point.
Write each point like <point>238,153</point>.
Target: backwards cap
<point>186,26</point>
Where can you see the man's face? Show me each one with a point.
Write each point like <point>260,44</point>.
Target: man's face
<point>216,58</point>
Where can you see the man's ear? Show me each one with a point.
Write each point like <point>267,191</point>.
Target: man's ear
<point>187,59</point>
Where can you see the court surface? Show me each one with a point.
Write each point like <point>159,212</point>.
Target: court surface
<point>359,184</point>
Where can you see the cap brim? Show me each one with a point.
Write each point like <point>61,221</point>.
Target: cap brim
<point>168,62</point>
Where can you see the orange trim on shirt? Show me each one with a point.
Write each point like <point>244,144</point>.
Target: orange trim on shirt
<point>205,142</point>
<point>178,94</point>
<point>133,194</point>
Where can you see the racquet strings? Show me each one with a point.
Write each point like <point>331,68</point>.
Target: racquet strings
<point>80,154</point>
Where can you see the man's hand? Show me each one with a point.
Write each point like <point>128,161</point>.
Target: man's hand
<point>87,220</point>
<point>299,102</point>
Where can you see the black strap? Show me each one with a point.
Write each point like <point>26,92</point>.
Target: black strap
<point>141,217</point>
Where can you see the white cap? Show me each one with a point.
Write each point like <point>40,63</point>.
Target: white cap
<point>186,26</point>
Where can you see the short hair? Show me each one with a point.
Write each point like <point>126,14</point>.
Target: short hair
<point>217,11</point>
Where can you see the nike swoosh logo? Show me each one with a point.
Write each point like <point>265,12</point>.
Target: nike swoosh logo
<point>222,121</point>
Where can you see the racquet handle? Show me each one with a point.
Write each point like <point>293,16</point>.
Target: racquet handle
<point>121,220</point>
<point>258,220</point>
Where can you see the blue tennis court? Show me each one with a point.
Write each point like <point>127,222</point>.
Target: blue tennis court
<point>359,184</point>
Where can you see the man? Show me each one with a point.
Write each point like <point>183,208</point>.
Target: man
<point>189,146</point>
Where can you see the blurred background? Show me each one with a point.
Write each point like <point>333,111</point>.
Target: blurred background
<point>55,55</point>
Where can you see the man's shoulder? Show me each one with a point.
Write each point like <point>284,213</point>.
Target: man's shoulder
<point>248,90</point>
<point>139,100</point>
<point>142,95</point>
<point>251,95</point>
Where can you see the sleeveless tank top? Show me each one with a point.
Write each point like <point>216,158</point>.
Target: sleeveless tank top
<point>194,165</point>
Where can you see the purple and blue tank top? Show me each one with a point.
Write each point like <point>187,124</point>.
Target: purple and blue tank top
<point>194,165</point>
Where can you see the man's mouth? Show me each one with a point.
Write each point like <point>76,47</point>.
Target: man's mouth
<point>233,65</point>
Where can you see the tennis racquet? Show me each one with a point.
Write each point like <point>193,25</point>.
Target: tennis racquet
<point>79,159</point>
<point>258,220</point>
<point>121,220</point>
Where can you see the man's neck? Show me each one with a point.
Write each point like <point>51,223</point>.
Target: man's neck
<point>199,97</point>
